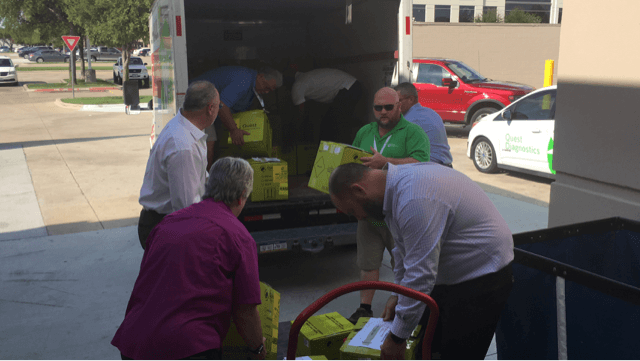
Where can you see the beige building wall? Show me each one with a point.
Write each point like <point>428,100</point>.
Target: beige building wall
<point>597,131</point>
<point>511,52</point>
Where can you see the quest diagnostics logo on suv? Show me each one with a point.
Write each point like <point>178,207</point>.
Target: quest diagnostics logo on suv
<point>517,138</point>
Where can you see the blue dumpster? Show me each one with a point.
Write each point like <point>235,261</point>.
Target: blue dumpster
<point>576,293</point>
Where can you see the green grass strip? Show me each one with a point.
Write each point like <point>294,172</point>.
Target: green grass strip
<point>81,84</point>
<point>103,100</point>
<point>42,68</point>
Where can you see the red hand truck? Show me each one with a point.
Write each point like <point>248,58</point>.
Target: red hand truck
<point>366,285</point>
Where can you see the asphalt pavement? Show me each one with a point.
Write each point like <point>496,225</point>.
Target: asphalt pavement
<point>69,254</point>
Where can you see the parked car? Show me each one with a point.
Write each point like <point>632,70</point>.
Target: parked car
<point>137,51</point>
<point>144,52</point>
<point>8,74</point>
<point>457,92</point>
<point>137,71</point>
<point>48,56</point>
<point>104,53</point>
<point>519,137</point>
<point>26,53</point>
<point>5,49</point>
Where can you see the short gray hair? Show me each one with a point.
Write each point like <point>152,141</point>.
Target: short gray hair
<point>199,94</point>
<point>230,179</point>
<point>270,73</point>
<point>407,89</point>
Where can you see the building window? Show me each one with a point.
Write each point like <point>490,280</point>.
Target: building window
<point>487,9</point>
<point>540,8</point>
<point>443,14</point>
<point>419,13</point>
<point>466,14</point>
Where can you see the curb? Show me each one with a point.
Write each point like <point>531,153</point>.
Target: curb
<point>67,90</point>
<point>62,104</point>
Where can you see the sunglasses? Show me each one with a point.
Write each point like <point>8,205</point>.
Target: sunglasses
<point>387,107</point>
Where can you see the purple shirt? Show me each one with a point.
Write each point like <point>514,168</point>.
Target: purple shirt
<point>199,261</point>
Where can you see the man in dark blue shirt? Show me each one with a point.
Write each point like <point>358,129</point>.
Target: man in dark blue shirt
<point>237,86</point>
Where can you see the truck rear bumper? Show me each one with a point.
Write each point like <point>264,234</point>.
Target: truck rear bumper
<point>312,239</point>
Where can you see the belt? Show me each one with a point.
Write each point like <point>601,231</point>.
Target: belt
<point>439,162</point>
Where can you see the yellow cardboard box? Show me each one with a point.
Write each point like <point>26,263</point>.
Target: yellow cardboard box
<point>270,179</point>
<point>323,335</point>
<point>234,347</point>
<point>331,155</point>
<point>259,142</point>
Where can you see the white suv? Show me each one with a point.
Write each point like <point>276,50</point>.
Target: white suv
<point>8,73</point>
<point>137,71</point>
<point>518,137</point>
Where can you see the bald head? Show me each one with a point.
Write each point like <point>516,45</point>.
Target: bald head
<point>387,94</point>
<point>384,99</point>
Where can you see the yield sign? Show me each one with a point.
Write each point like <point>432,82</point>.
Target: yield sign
<point>71,41</point>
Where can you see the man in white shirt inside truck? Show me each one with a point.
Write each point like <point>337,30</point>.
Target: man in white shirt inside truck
<point>176,170</point>
<point>336,88</point>
<point>450,243</point>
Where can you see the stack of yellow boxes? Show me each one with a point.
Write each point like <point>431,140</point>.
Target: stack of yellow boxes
<point>270,175</point>
<point>234,347</point>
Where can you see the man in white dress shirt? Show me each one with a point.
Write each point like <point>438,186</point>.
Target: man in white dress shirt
<point>340,90</point>
<point>176,170</point>
<point>450,243</point>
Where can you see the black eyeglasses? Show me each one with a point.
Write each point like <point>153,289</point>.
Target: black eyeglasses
<point>387,107</point>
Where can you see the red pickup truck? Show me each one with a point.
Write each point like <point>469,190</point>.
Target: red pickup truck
<point>458,93</point>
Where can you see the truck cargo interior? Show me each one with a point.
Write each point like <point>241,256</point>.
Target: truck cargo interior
<point>359,37</point>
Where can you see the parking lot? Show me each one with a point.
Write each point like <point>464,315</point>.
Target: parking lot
<point>70,182</point>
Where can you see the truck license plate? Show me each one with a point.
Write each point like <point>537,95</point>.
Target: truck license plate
<point>273,247</point>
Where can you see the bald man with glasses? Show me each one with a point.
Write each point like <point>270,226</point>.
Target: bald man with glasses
<point>391,139</point>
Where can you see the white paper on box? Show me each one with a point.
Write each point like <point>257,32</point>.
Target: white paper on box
<point>372,334</point>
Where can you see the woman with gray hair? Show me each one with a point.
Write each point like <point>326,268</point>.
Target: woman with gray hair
<point>199,270</point>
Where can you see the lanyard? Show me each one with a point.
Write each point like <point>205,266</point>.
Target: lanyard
<point>259,99</point>
<point>383,146</point>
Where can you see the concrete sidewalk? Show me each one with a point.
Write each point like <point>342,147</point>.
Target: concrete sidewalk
<point>63,297</point>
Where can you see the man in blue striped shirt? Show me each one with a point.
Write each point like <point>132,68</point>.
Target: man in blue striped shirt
<point>450,242</point>
<point>428,120</point>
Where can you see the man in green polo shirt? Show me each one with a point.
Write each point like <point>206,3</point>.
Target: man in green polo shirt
<point>391,139</point>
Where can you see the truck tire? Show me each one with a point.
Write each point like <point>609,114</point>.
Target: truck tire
<point>40,60</point>
<point>115,78</point>
<point>66,60</point>
<point>93,58</point>
<point>481,113</point>
<point>483,155</point>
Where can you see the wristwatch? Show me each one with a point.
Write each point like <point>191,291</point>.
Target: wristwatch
<point>258,350</point>
<point>397,340</point>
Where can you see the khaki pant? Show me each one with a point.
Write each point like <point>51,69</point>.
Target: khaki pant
<point>372,240</point>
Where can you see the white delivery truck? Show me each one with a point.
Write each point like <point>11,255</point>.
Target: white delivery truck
<point>361,37</point>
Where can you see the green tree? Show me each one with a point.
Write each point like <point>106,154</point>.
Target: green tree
<point>490,16</point>
<point>518,15</point>
<point>118,23</point>
<point>46,18</point>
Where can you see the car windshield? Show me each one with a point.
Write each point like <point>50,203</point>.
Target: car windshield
<point>135,61</point>
<point>464,72</point>
<point>5,62</point>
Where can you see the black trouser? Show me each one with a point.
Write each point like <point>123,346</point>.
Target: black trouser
<point>469,314</point>
<point>213,354</point>
<point>148,220</point>
<point>338,121</point>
